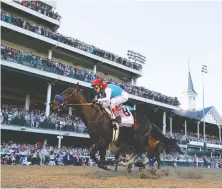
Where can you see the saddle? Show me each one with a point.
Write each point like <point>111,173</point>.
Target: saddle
<point>127,119</point>
<point>103,110</point>
<point>100,108</point>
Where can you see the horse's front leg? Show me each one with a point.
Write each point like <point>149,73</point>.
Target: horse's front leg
<point>93,153</point>
<point>117,153</point>
<point>102,154</point>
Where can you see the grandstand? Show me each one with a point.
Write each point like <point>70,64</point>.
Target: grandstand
<point>37,62</point>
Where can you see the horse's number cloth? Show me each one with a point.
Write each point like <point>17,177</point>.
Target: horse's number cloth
<point>127,119</point>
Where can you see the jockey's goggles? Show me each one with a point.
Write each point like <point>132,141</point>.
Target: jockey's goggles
<point>96,87</point>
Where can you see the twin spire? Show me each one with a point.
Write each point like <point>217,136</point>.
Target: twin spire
<point>190,90</point>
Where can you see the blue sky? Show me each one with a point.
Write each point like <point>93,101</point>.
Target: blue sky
<point>167,33</point>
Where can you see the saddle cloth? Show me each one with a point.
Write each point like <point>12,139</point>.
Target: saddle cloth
<point>127,119</point>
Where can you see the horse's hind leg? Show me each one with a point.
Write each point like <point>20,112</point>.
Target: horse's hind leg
<point>158,161</point>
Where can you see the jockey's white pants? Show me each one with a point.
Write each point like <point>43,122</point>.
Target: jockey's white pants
<point>117,100</point>
<point>120,99</point>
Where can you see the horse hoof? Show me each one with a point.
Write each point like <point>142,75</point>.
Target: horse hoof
<point>129,170</point>
<point>105,167</point>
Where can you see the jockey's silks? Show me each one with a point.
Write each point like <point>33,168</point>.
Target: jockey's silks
<point>115,90</point>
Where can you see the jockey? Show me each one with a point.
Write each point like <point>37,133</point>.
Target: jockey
<point>114,95</point>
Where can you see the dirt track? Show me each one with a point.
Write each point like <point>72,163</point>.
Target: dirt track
<point>70,177</point>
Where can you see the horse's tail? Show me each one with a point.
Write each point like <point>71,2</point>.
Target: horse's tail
<point>169,143</point>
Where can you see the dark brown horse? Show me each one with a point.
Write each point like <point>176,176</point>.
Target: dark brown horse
<point>98,122</point>
<point>100,126</point>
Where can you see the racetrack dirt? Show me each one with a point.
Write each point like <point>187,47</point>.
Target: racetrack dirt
<point>74,177</point>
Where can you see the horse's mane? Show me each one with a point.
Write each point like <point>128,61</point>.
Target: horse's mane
<point>93,109</point>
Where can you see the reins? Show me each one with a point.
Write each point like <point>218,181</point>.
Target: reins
<point>84,104</point>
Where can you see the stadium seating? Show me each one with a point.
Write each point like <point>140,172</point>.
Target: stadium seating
<point>12,19</point>
<point>16,115</point>
<point>45,64</point>
<point>33,154</point>
<point>36,6</point>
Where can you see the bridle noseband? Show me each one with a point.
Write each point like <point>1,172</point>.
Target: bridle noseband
<point>64,103</point>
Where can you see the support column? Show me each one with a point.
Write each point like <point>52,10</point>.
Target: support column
<point>171,126</point>
<point>70,110</point>
<point>185,128</point>
<point>48,99</point>
<point>134,106</point>
<point>50,54</point>
<point>27,102</point>
<point>219,133</point>
<point>94,68</point>
<point>60,137</point>
<point>164,122</point>
<point>132,81</point>
<point>198,131</point>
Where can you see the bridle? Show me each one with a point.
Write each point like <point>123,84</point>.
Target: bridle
<point>64,103</point>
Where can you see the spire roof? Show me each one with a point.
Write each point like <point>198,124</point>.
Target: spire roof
<point>190,88</point>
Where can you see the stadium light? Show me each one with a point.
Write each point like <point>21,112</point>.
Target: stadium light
<point>204,71</point>
<point>136,57</point>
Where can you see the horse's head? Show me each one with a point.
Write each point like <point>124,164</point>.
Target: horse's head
<point>67,97</point>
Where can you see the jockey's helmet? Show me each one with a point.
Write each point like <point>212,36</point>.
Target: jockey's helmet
<point>98,85</point>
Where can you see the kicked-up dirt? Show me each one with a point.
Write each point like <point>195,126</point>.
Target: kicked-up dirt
<point>92,177</point>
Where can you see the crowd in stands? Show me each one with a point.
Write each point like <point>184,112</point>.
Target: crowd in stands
<point>192,161</point>
<point>12,115</point>
<point>15,115</point>
<point>12,19</point>
<point>39,7</point>
<point>27,154</point>
<point>31,60</point>
<point>193,137</point>
<point>41,153</point>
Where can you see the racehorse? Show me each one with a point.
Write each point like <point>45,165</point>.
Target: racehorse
<point>100,125</point>
<point>97,120</point>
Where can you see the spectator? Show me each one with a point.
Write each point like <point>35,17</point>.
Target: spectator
<point>23,118</point>
<point>80,74</point>
<point>39,7</point>
<point>28,154</point>
<point>67,40</point>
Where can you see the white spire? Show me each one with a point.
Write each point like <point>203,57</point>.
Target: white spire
<point>190,93</point>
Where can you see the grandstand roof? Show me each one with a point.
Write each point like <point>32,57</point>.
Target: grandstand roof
<point>198,115</point>
<point>211,115</point>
